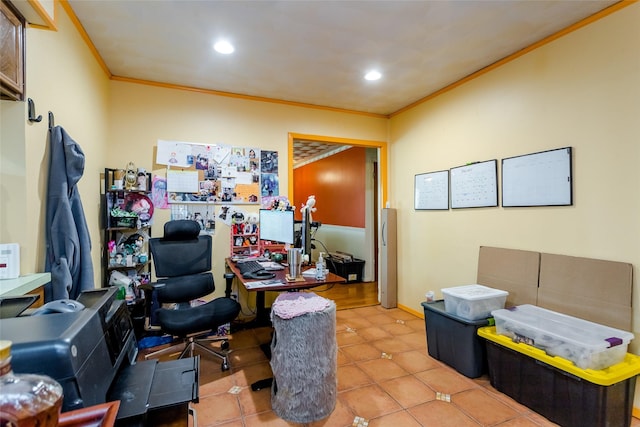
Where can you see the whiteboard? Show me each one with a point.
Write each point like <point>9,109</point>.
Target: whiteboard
<point>432,191</point>
<point>475,185</point>
<point>538,179</point>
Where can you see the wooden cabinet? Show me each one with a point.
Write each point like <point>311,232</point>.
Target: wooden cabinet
<point>12,52</point>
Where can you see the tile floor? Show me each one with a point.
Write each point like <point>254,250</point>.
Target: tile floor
<point>373,390</point>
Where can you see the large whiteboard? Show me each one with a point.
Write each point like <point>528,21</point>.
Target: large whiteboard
<point>475,185</point>
<point>538,179</point>
<point>432,191</point>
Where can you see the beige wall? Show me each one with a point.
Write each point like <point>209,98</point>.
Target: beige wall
<point>140,115</point>
<point>583,90</point>
<point>62,77</point>
<point>116,122</point>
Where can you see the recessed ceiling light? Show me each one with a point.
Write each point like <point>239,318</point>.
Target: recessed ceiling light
<point>224,47</point>
<point>373,75</point>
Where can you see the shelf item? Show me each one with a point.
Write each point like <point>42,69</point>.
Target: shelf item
<point>251,245</point>
<point>128,214</point>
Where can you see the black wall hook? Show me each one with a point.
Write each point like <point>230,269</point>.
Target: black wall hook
<point>51,121</point>
<point>31,106</point>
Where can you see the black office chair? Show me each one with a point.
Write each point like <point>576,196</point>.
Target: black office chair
<point>182,262</point>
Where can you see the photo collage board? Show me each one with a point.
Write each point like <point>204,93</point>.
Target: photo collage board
<point>218,173</point>
<point>200,176</point>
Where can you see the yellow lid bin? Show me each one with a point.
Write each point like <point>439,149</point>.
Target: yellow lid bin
<point>626,369</point>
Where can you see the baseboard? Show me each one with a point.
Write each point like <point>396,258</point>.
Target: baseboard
<point>635,412</point>
<point>411,310</point>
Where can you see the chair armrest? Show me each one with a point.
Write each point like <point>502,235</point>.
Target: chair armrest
<point>148,289</point>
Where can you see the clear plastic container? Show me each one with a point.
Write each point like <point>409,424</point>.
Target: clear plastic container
<point>589,345</point>
<point>27,399</point>
<point>473,302</point>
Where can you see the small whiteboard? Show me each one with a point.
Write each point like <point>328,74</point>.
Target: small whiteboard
<point>432,191</point>
<point>475,185</point>
<point>538,179</point>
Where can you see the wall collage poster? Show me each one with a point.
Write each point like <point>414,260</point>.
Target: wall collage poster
<point>200,176</point>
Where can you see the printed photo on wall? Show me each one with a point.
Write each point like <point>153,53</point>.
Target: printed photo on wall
<point>231,215</point>
<point>270,185</point>
<point>174,153</point>
<point>204,215</point>
<point>239,159</point>
<point>208,190</point>
<point>269,162</point>
<point>159,192</point>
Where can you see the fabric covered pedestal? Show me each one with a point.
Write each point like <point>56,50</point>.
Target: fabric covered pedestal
<point>303,357</point>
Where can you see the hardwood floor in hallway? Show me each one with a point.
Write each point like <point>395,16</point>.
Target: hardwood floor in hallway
<point>350,295</point>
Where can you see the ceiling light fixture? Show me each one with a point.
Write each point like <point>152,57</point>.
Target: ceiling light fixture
<point>224,47</point>
<point>373,75</point>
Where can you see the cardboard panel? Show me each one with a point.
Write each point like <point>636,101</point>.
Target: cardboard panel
<point>511,270</point>
<point>591,289</point>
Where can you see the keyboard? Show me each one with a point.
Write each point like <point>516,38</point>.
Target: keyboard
<point>249,266</point>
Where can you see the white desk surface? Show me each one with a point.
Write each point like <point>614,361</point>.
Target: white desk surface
<point>23,284</point>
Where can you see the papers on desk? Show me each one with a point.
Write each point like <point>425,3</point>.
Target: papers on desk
<point>311,272</point>
<point>271,266</point>
<point>261,284</point>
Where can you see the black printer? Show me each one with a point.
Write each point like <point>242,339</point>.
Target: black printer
<point>92,354</point>
<point>82,350</point>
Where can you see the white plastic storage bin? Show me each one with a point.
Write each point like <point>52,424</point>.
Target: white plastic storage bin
<point>589,345</point>
<point>473,302</point>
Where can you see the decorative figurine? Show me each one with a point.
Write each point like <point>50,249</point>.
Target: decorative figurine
<point>309,206</point>
<point>131,177</point>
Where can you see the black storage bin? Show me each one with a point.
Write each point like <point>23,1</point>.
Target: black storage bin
<point>558,395</point>
<point>454,340</point>
<point>350,270</point>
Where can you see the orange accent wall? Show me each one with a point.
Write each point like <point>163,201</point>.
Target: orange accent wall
<point>338,182</point>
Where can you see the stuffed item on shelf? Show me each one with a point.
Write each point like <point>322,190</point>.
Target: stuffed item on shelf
<point>251,224</point>
<point>131,177</point>
<point>237,223</point>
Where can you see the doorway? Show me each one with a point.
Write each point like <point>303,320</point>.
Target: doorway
<point>304,149</point>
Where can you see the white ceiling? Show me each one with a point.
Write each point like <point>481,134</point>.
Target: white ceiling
<point>317,52</point>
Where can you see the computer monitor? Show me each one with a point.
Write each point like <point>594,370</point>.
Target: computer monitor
<point>276,225</point>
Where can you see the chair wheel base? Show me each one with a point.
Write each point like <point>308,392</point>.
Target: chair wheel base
<point>224,366</point>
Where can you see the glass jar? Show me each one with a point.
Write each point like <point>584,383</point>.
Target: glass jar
<point>26,399</point>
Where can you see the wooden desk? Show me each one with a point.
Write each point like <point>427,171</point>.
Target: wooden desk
<point>262,313</point>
